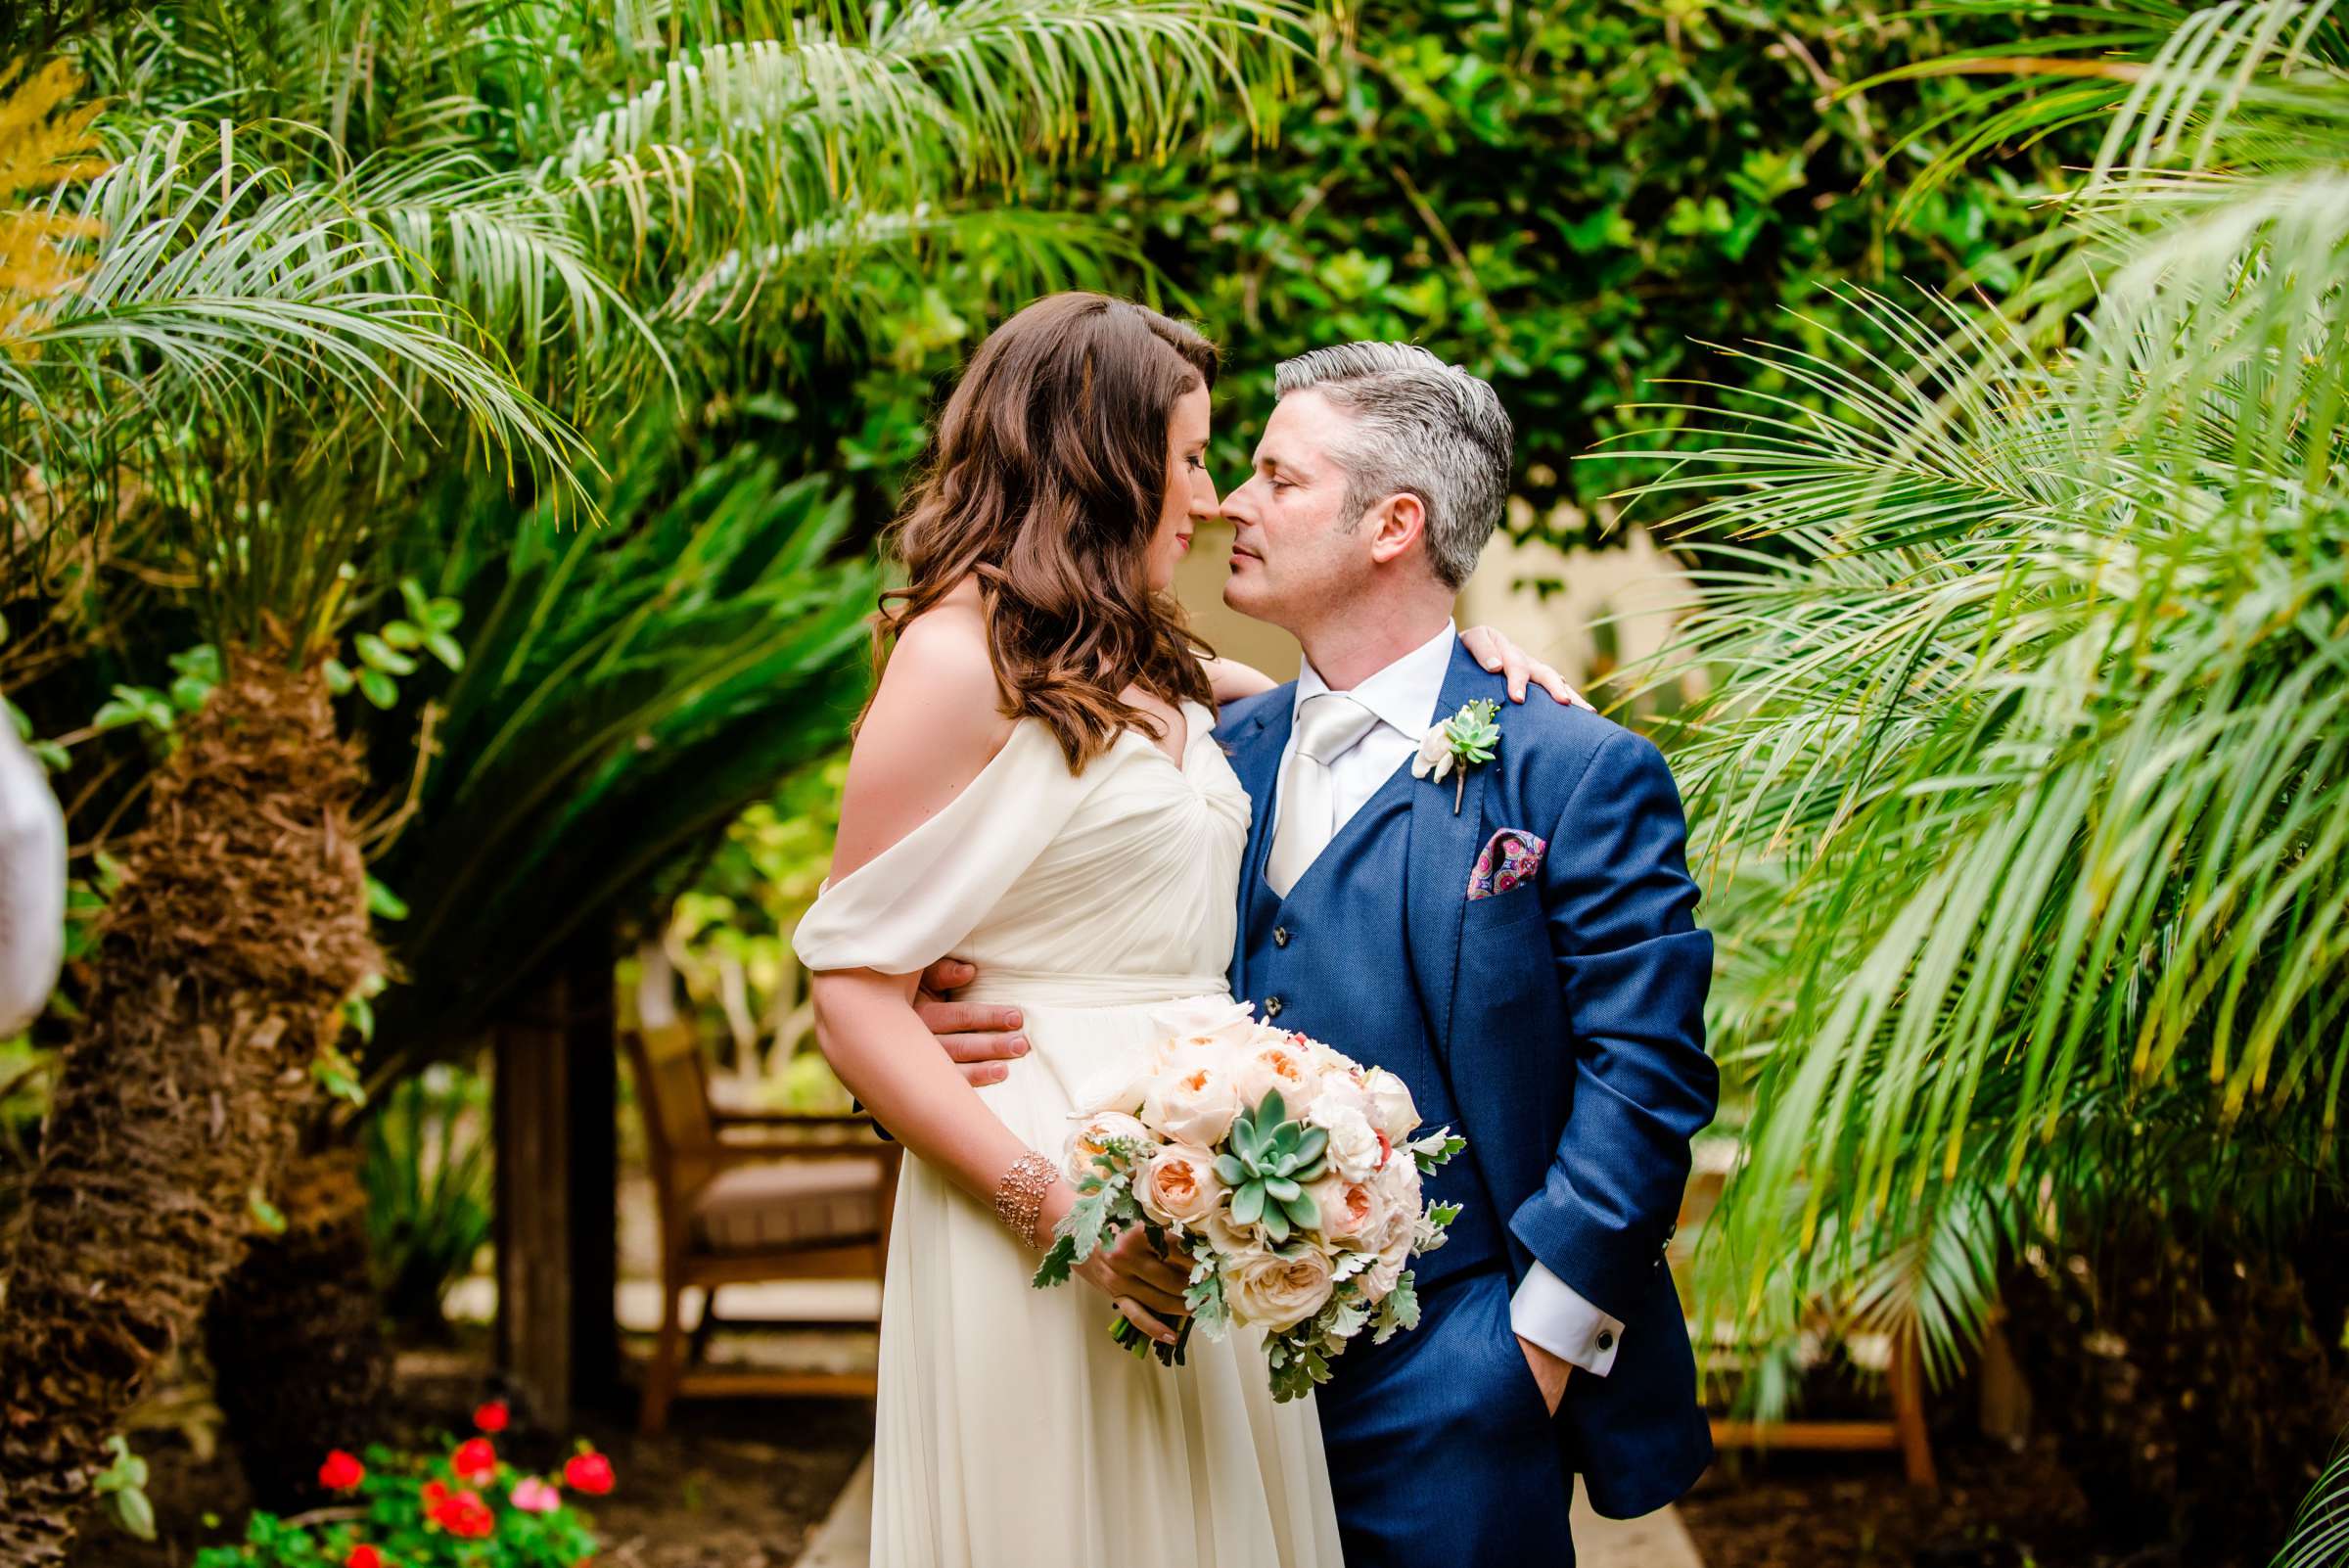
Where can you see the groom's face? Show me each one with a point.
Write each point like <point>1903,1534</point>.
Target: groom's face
<point>1295,549</point>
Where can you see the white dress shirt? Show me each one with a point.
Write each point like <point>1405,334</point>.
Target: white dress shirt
<point>1546,1310</point>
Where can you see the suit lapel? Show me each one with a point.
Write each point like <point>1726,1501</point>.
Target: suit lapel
<point>1255,758</point>
<point>1443,848</point>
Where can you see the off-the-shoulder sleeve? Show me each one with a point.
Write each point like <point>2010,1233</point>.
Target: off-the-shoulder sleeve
<point>912,904</point>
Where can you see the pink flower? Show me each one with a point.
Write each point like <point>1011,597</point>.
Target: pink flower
<point>533,1496</point>
<point>341,1472</point>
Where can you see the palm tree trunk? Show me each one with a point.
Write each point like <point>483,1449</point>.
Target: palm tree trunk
<point>295,1337</point>
<point>239,931</point>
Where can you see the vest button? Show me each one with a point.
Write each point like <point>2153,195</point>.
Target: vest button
<point>1272,1007</point>
<point>1280,935</point>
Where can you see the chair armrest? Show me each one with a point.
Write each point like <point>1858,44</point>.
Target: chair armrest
<point>750,1119</point>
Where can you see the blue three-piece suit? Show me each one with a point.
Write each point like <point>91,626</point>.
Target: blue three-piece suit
<point>1555,1019</point>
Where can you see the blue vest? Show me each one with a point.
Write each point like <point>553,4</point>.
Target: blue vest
<point>1297,946</point>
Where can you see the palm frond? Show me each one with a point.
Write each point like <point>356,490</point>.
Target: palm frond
<point>746,142</point>
<point>2034,702</point>
<point>2319,1537</point>
<point>627,691</point>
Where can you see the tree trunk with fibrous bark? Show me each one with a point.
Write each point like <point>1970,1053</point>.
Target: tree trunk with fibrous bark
<point>222,966</point>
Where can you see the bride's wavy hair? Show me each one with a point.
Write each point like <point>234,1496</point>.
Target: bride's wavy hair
<point>1045,481</point>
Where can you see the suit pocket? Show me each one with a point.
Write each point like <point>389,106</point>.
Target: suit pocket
<point>1520,903</point>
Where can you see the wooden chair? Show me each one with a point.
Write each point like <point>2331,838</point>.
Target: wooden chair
<point>810,1199</point>
<point>1905,1433</point>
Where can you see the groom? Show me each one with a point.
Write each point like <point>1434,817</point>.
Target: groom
<point>1542,992</point>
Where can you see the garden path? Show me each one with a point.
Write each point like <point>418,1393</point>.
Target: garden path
<point>1658,1540</point>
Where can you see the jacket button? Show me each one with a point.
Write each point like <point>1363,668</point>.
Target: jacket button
<point>1280,935</point>
<point>1607,1339</point>
<point>1272,1007</point>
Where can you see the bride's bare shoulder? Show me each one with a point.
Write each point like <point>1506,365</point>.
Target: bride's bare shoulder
<point>935,723</point>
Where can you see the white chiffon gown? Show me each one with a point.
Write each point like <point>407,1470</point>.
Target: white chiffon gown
<point>1013,1432</point>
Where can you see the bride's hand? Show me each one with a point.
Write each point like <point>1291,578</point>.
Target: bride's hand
<point>1493,649</point>
<point>1145,1288</point>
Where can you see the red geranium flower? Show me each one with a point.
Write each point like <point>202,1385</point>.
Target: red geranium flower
<point>363,1556</point>
<point>465,1515</point>
<point>475,1460</point>
<point>341,1472</point>
<point>492,1418</point>
<point>590,1472</point>
<point>435,1494</point>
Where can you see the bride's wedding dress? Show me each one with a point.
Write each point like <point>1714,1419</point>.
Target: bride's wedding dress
<point>1013,1432</point>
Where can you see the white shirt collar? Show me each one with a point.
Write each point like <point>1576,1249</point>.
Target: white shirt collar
<point>1404,694</point>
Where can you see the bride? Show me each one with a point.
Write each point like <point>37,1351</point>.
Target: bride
<point>1036,788</point>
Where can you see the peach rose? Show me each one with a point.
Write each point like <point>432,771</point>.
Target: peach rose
<point>1351,1210</point>
<point>1277,1064</point>
<point>1178,1186</point>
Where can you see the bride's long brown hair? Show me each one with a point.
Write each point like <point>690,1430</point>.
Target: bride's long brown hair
<point>1045,482</point>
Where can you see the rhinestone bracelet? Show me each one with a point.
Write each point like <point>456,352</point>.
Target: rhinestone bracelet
<point>1020,1195</point>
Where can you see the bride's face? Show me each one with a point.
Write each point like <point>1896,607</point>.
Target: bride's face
<point>1190,494</point>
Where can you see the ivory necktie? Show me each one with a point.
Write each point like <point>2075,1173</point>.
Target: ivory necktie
<point>1328,723</point>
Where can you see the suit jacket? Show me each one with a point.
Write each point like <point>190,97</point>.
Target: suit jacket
<point>1568,1013</point>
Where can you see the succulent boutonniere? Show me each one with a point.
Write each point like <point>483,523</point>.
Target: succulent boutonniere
<point>1468,737</point>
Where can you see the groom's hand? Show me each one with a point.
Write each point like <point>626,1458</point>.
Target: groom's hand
<point>982,1040</point>
<point>1550,1372</point>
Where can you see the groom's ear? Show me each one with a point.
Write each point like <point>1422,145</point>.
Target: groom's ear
<point>1395,525</point>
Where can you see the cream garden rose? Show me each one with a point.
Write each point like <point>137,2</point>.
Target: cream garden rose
<point>1280,1292</point>
<point>1392,1242</point>
<point>1391,1111</point>
<point>1195,1097</point>
<point>1207,1018</point>
<point>1354,1146</point>
<point>1178,1186</point>
<point>1095,1134</point>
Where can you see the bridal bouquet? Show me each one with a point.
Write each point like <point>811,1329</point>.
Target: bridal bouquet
<point>1284,1169</point>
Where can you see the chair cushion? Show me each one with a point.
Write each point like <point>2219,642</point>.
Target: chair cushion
<point>790,1202</point>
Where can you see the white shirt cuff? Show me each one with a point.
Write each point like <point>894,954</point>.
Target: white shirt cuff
<point>1550,1312</point>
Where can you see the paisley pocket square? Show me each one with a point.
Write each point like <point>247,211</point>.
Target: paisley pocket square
<point>1511,857</point>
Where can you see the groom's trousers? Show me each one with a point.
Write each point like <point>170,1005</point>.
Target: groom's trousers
<point>1441,1450</point>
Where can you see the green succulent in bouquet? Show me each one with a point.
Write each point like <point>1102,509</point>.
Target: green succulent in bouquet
<point>1270,1161</point>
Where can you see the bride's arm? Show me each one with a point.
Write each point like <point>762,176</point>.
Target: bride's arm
<point>933,728</point>
<point>1233,680</point>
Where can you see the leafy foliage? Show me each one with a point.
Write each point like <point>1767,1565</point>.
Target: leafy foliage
<point>427,1169</point>
<point>1572,197</point>
<point>2030,721</point>
<point>2320,1535</point>
<point>627,692</point>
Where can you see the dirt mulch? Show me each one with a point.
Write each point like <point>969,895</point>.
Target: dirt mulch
<point>1993,1509</point>
<point>733,1484</point>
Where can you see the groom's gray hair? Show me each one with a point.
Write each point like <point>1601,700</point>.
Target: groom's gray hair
<point>1421,427</point>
